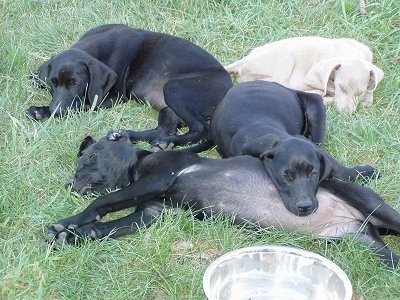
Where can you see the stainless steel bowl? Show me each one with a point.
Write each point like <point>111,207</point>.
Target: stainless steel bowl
<point>275,272</point>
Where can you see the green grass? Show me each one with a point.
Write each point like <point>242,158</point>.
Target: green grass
<point>167,261</point>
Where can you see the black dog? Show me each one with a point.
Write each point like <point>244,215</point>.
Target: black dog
<point>113,62</point>
<point>269,121</point>
<point>235,187</point>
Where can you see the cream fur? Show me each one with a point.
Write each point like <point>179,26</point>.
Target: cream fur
<point>340,70</point>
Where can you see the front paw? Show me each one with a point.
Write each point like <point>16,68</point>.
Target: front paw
<point>37,113</point>
<point>70,235</point>
<point>59,234</point>
<point>117,135</point>
<point>367,172</point>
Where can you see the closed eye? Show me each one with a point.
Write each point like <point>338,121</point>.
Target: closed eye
<point>288,175</point>
<point>89,159</point>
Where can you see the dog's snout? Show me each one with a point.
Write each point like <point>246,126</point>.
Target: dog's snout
<point>70,183</point>
<point>305,207</point>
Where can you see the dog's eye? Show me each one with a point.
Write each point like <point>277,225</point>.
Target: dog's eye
<point>288,175</point>
<point>313,173</point>
<point>91,158</point>
<point>72,81</point>
<point>268,155</point>
<point>54,81</point>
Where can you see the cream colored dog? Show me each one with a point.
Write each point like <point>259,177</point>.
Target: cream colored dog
<point>340,70</point>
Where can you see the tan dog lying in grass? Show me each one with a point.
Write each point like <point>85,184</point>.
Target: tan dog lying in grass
<point>340,70</point>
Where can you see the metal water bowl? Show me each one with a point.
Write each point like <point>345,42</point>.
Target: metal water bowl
<point>275,272</point>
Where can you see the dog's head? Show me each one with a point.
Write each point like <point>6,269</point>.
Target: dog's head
<point>350,80</point>
<point>75,79</point>
<point>296,167</point>
<point>104,165</point>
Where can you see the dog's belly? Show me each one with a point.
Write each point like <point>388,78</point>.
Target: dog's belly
<point>250,196</point>
<point>150,88</point>
<point>333,218</point>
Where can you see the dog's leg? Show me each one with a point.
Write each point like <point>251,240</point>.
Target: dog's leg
<point>363,172</point>
<point>168,123</point>
<point>136,194</point>
<point>151,136</point>
<point>197,132</point>
<point>371,238</point>
<point>142,217</point>
<point>377,213</point>
<point>315,116</point>
<point>194,98</point>
<point>369,203</point>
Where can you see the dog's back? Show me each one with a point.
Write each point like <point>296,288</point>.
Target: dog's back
<point>289,60</point>
<point>255,108</point>
<point>319,47</point>
<point>129,52</point>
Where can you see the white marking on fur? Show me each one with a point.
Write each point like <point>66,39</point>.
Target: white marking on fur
<point>190,169</point>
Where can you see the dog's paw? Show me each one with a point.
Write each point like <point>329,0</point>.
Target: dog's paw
<point>117,135</point>
<point>34,113</point>
<point>60,234</point>
<point>38,113</point>
<point>367,172</point>
<point>71,235</point>
<point>162,145</point>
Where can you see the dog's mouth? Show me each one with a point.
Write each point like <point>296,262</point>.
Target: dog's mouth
<point>83,190</point>
<point>306,212</point>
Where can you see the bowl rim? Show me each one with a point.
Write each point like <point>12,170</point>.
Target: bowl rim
<point>281,249</point>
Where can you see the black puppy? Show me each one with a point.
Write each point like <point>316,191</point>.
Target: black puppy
<point>114,62</point>
<point>235,187</point>
<point>269,121</point>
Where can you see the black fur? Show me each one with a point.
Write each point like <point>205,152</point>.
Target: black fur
<point>271,122</point>
<point>237,187</point>
<point>114,62</point>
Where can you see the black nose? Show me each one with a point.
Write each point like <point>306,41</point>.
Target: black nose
<point>304,208</point>
<point>69,183</point>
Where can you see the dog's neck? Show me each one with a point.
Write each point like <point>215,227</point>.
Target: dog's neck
<point>133,171</point>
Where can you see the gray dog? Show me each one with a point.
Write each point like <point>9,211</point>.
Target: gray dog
<point>269,121</point>
<point>238,188</point>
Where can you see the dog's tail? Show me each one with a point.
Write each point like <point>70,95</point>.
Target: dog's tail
<point>200,147</point>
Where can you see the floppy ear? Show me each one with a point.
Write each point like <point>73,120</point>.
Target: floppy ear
<point>263,146</point>
<point>319,75</point>
<point>102,78</point>
<point>268,154</point>
<point>87,141</point>
<point>132,162</point>
<point>376,75</point>
<point>44,72</point>
<point>325,166</point>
